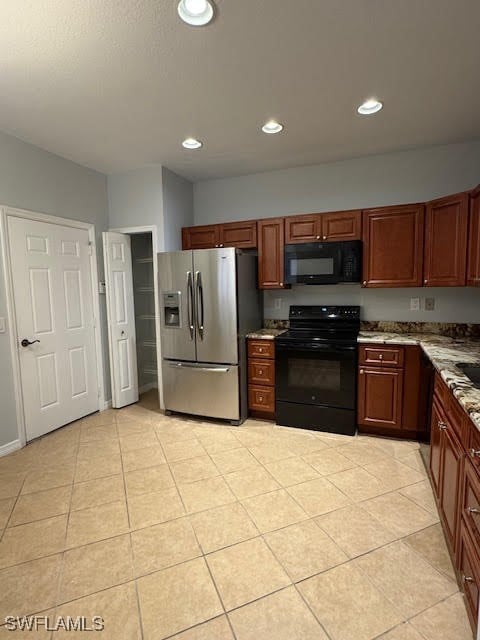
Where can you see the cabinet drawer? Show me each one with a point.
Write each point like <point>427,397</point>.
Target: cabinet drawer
<point>471,501</point>
<point>261,372</point>
<point>382,356</point>
<point>469,573</point>
<point>261,398</point>
<point>442,391</point>
<point>261,349</point>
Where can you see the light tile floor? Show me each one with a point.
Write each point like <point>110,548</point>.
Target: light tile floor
<point>175,528</point>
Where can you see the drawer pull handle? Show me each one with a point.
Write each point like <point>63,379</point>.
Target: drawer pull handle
<point>380,356</point>
<point>474,453</point>
<point>467,579</point>
<point>473,510</point>
<point>441,425</point>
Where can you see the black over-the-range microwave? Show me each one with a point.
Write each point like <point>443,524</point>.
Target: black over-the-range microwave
<point>323,262</point>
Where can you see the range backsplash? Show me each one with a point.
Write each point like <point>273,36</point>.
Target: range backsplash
<point>450,329</point>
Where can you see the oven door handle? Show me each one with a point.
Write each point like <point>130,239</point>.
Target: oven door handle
<point>318,348</point>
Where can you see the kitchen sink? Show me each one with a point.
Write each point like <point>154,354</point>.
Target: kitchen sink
<point>472,371</point>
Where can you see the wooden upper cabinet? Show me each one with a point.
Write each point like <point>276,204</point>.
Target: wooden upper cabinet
<point>202,237</point>
<point>329,227</point>
<point>342,225</point>
<point>271,241</point>
<point>305,228</point>
<point>446,229</point>
<point>473,264</point>
<point>393,246</point>
<point>242,235</point>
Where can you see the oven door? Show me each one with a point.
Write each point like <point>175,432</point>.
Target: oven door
<point>313,263</point>
<point>319,374</point>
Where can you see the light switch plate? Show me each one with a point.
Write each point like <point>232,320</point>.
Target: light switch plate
<point>2,325</point>
<point>414,304</point>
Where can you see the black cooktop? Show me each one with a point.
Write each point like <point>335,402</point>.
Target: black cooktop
<point>318,323</point>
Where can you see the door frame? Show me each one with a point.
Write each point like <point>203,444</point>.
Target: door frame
<point>12,212</point>
<point>155,249</point>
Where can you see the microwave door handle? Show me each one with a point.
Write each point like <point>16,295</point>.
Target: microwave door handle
<point>190,303</point>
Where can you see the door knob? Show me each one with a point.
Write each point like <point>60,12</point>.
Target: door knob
<point>26,343</point>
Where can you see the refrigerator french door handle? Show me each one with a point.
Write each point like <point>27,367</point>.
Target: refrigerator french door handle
<point>190,303</point>
<point>199,314</point>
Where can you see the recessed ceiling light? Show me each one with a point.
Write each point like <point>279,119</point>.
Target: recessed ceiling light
<point>369,107</point>
<point>195,12</point>
<point>191,143</point>
<point>272,126</point>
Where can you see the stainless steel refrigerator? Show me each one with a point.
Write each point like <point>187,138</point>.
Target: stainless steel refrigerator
<point>208,303</point>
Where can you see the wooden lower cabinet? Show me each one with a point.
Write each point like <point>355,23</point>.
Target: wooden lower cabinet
<point>380,393</point>
<point>392,391</point>
<point>455,482</point>
<point>261,378</point>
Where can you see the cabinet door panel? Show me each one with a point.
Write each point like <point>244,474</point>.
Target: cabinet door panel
<point>451,470</point>
<point>242,235</point>
<point>393,246</point>
<point>469,574</point>
<point>446,231</point>
<point>305,228</point>
<point>202,237</point>
<point>271,240</point>
<point>473,269</point>
<point>342,225</point>
<point>436,448</point>
<point>380,397</point>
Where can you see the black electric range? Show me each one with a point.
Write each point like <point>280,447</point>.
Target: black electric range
<point>316,369</point>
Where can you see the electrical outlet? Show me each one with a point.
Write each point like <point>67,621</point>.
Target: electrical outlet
<point>277,303</point>
<point>414,304</point>
<point>429,304</point>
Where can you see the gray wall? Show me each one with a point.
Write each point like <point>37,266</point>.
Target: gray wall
<point>135,199</point>
<point>395,178</point>
<point>408,176</point>
<point>461,304</point>
<point>33,179</point>
<point>177,208</point>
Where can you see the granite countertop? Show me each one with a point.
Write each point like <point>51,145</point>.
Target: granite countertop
<point>265,334</point>
<point>444,353</point>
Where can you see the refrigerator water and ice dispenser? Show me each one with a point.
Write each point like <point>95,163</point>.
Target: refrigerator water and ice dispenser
<point>171,308</point>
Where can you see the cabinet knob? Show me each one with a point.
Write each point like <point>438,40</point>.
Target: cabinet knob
<point>364,283</point>
<point>260,372</point>
<point>441,425</point>
<point>474,453</point>
<point>380,356</point>
<point>473,510</point>
<point>324,237</point>
<point>467,579</point>
<point>425,282</point>
<point>260,398</point>
<point>281,284</point>
<point>361,372</point>
<point>221,245</point>
<point>318,237</point>
<point>260,349</point>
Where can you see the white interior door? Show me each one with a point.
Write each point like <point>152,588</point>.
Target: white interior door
<point>52,291</point>
<point>121,318</point>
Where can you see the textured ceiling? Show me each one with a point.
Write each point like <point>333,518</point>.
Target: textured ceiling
<point>117,84</point>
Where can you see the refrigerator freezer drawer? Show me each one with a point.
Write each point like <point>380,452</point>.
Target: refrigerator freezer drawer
<point>202,389</point>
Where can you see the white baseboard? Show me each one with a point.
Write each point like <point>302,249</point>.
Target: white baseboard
<point>106,405</point>
<point>147,387</point>
<point>10,447</point>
